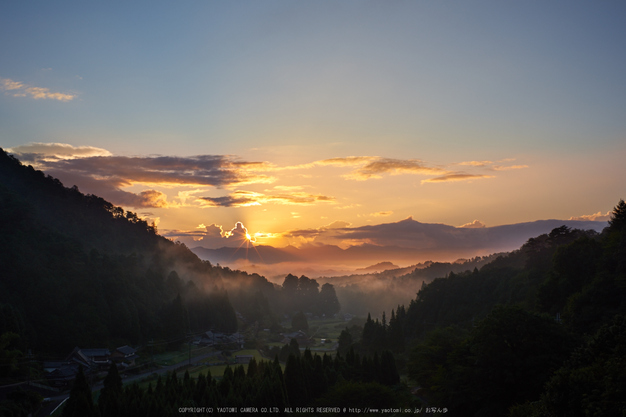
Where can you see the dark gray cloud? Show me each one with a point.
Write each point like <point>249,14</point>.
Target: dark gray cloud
<point>106,175</point>
<point>232,200</point>
<point>211,170</point>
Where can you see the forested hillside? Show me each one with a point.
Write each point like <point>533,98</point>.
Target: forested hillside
<point>537,332</point>
<point>77,270</point>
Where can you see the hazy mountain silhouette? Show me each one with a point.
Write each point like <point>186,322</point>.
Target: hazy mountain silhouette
<point>404,241</point>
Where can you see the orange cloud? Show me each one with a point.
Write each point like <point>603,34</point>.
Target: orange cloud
<point>374,169</point>
<point>594,217</point>
<point>476,163</point>
<point>19,89</point>
<point>476,224</point>
<point>503,168</point>
<point>151,198</point>
<point>370,166</point>
<point>348,161</point>
<point>492,165</point>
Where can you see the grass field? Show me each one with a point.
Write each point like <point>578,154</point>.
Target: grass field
<point>327,329</point>
<point>171,358</point>
<point>217,371</point>
<point>213,364</point>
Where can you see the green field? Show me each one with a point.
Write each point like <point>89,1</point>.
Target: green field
<point>172,358</point>
<point>327,329</point>
<point>213,364</point>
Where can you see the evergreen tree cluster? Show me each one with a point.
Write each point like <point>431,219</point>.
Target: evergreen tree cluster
<point>376,335</point>
<point>505,360</point>
<point>308,380</point>
<point>303,294</point>
<point>380,335</point>
<point>539,332</point>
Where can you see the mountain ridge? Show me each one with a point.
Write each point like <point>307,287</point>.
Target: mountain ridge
<point>441,243</point>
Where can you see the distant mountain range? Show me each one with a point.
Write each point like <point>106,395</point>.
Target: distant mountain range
<point>406,241</point>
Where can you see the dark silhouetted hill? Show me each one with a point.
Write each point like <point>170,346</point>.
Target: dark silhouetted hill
<point>76,270</point>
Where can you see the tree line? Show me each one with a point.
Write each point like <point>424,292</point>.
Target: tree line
<point>537,332</point>
<point>308,380</point>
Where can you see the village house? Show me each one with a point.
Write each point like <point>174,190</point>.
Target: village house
<point>211,338</point>
<point>300,336</point>
<point>92,359</point>
<point>124,356</point>
<point>60,374</point>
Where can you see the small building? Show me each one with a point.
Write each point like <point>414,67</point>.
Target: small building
<point>125,355</point>
<point>214,338</point>
<point>60,374</point>
<point>92,359</point>
<point>300,336</point>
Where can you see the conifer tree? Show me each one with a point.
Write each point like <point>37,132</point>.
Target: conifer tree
<point>294,348</point>
<point>111,395</point>
<point>80,401</point>
<point>201,387</point>
<point>389,372</point>
<point>252,368</point>
<point>618,216</point>
<point>295,383</point>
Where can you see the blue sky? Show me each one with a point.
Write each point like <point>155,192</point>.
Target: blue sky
<point>538,87</point>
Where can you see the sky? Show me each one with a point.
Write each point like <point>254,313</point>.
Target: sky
<point>295,118</point>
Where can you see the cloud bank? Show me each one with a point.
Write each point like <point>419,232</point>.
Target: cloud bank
<point>106,175</point>
<point>110,176</point>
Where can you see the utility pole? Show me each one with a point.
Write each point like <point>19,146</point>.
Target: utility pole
<point>151,344</point>
<point>29,356</point>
